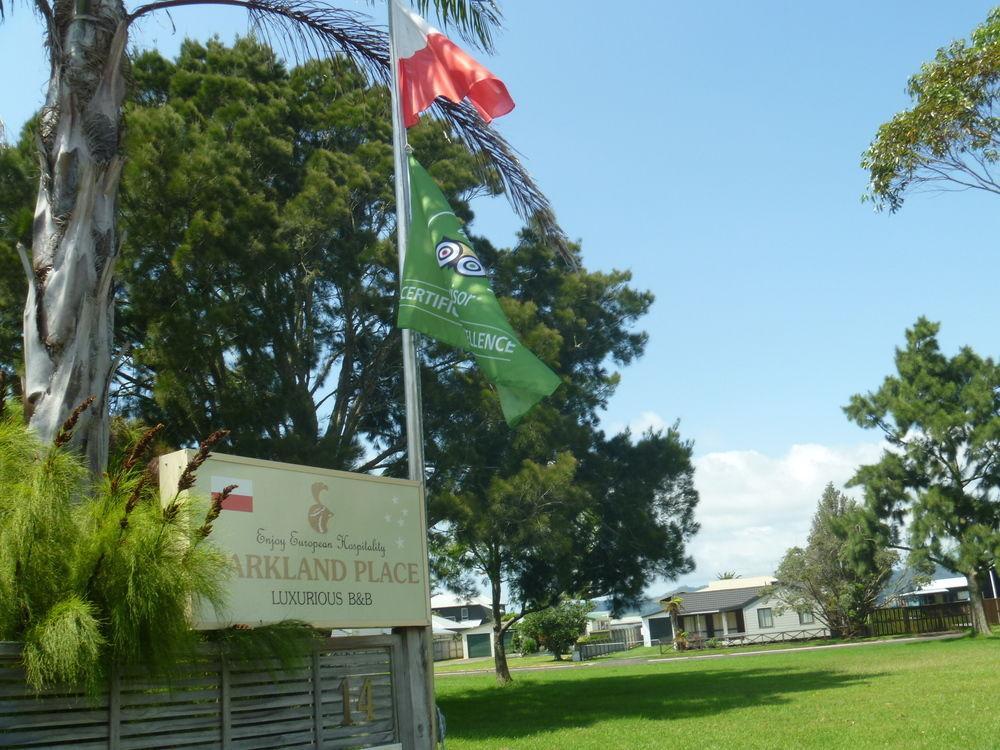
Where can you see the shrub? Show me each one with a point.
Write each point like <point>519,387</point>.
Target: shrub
<point>599,636</point>
<point>556,628</point>
<point>529,646</point>
<point>96,571</point>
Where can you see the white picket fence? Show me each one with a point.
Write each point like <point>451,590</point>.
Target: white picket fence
<point>351,695</point>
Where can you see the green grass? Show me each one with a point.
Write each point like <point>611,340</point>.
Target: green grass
<point>938,694</point>
<point>655,652</point>
<point>486,662</point>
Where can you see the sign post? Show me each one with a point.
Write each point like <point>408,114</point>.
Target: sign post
<point>335,549</point>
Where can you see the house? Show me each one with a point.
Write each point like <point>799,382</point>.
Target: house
<point>470,618</point>
<point>625,627</point>
<point>462,608</point>
<point>731,610</point>
<point>447,642</point>
<point>944,588</point>
<point>938,591</point>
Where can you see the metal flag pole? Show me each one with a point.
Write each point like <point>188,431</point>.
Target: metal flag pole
<point>419,641</point>
<point>411,376</point>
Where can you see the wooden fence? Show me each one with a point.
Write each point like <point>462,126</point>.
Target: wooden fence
<point>929,618</point>
<point>448,648</point>
<point>992,607</point>
<point>351,695</point>
<point>590,650</point>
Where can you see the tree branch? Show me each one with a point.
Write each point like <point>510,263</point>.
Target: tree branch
<point>373,463</point>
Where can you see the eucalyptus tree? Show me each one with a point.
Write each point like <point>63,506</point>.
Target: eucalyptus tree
<point>949,139</point>
<point>69,313</point>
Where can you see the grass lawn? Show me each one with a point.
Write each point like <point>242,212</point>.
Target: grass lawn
<point>486,662</point>
<point>655,652</point>
<point>938,694</point>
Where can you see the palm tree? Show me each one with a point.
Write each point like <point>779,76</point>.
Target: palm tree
<point>673,607</point>
<point>728,575</point>
<point>69,314</point>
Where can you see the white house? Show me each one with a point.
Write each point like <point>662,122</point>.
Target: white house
<point>470,618</point>
<point>731,610</point>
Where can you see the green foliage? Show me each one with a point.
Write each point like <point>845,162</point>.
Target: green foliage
<point>939,479</point>
<point>598,636</point>
<point>259,276</point>
<point>555,507</point>
<point>65,646</point>
<point>950,138</point>
<point>18,183</point>
<point>529,645</point>
<point>828,577</point>
<point>95,572</point>
<point>556,628</point>
<point>728,575</point>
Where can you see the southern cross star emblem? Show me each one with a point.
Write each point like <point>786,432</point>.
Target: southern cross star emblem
<point>399,520</point>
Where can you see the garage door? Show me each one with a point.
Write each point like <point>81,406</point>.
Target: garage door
<point>479,644</point>
<point>660,630</point>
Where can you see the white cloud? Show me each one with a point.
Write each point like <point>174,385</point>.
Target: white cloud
<point>648,420</point>
<point>753,507</point>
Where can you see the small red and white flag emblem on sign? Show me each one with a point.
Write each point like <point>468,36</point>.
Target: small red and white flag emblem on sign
<point>240,498</point>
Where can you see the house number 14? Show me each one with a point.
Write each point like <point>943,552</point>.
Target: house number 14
<point>364,703</point>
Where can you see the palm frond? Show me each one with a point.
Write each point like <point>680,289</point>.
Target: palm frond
<point>306,26</point>
<point>475,20</point>
<point>41,6</point>
<point>314,28</point>
<point>524,194</point>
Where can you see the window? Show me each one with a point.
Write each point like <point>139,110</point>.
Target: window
<point>764,618</point>
<point>805,618</point>
<point>465,613</point>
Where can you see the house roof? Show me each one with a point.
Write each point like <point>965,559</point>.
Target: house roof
<point>441,626</point>
<point>940,586</point>
<point>440,601</point>
<point>738,583</point>
<point>454,626</point>
<point>718,600</point>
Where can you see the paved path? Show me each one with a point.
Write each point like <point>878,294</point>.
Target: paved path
<point>734,655</point>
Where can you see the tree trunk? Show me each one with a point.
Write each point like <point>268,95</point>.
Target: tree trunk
<point>976,608</point>
<point>69,314</point>
<point>499,651</point>
<point>673,630</point>
<point>500,657</point>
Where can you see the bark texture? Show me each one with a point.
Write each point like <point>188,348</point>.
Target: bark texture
<point>499,651</point>
<point>976,608</point>
<point>69,313</point>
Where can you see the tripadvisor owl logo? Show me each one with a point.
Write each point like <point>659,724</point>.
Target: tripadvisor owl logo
<point>459,256</point>
<point>319,514</point>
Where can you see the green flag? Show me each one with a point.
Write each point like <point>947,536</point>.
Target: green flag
<point>446,294</point>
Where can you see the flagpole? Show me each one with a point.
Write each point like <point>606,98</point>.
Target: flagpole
<point>411,397</point>
<point>411,377</point>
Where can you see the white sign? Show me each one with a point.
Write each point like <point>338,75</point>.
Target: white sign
<point>334,549</point>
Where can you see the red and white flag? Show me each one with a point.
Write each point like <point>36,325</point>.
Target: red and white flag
<point>240,498</point>
<point>431,65</point>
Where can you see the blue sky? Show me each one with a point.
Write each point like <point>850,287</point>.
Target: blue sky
<point>713,149</point>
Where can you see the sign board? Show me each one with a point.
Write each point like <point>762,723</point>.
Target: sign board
<point>335,549</point>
